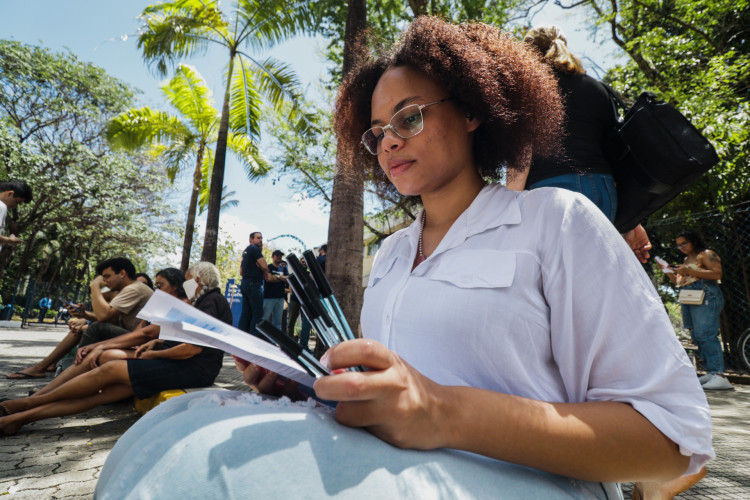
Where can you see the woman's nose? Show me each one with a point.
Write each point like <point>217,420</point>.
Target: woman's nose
<point>390,141</point>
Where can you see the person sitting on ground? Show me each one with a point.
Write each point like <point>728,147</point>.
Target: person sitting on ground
<point>87,358</point>
<point>109,319</point>
<point>157,366</point>
<point>145,279</point>
<point>552,376</point>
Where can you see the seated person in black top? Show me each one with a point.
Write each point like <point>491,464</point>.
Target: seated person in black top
<point>157,366</point>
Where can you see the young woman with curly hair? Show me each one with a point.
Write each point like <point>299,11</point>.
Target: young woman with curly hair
<point>491,326</point>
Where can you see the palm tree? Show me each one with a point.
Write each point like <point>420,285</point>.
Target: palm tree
<point>177,140</point>
<point>181,28</point>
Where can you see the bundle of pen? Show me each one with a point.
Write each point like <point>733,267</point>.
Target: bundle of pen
<point>320,307</point>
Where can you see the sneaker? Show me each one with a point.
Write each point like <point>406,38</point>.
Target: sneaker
<point>705,378</point>
<point>717,383</point>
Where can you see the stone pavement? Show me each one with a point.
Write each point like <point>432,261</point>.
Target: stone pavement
<point>62,457</point>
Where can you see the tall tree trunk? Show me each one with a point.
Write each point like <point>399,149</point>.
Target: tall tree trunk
<point>346,222</point>
<point>187,244</point>
<point>211,239</point>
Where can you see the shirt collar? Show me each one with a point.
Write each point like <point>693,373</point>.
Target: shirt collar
<point>494,206</point>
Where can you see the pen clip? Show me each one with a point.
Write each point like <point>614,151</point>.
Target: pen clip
<point>324,287</point>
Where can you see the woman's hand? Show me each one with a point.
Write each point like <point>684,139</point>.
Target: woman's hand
<point>146,351</point>
<point>683,270</point>
<point>267,382</point>
<point>638,241</point>
<point>392,400</point>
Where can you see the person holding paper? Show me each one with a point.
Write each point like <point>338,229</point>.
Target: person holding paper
<point>157,366</point>
<point>516,359</point>
<point>168,280</point>
<point>701,270</point>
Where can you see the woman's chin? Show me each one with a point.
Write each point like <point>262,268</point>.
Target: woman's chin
<point>407,189</point>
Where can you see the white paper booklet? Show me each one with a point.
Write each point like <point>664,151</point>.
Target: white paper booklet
<point>184,323</point>
<point>663,264</point>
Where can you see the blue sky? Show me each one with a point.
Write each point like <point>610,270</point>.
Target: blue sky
<point>103,32</point>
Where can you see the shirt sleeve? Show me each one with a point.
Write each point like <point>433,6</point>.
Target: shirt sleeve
<point>126,300</point>
<point>610,334</point>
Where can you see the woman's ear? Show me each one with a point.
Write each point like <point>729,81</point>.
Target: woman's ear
<point>472,123</point>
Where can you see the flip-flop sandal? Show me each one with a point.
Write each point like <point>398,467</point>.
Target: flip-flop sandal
<point>23,376</point>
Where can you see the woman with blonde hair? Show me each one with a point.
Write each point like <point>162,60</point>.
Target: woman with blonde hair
<point>581,165</point>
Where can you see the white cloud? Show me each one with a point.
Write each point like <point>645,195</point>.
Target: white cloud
<point>235,228</point>
<point>302,208</point>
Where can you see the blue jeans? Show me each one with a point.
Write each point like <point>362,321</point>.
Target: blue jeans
<point>599,188</point>
<point>272,311</point>
<point>212,444</point>
<point>703,323</point>
<point>252,306</point>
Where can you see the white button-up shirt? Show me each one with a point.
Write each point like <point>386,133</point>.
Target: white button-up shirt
<point>535,294</point>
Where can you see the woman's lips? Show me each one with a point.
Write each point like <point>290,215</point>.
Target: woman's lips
<point>397,167</point>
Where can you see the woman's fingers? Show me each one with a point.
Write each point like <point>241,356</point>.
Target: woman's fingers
<point>369,353</point>
<point>240,363</point>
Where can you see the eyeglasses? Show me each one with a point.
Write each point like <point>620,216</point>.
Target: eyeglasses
<point>680,245</point>
<point>407,122</point>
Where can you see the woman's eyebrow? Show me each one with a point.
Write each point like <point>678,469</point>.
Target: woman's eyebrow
<point>398,107</point>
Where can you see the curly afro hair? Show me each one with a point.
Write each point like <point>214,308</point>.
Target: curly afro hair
<point>496,79</point>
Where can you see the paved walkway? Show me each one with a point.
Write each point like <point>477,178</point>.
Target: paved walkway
<point>62,457</point>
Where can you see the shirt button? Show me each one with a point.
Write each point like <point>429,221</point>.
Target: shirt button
<point>388,317</point>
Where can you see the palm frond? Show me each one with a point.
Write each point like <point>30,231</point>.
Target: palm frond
<point>265,23</point>
<point>188,92</point>
<point>246,102</point>
<point>280,85</point>
<point>141,127</point>
<point>173,30</point>
<point>175,156</point>
<point>249,154</point>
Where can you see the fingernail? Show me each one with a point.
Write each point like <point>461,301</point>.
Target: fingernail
<point>324,359</point>
<point>338,371</point>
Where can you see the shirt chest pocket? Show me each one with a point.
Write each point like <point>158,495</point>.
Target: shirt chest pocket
<point>474,269</point>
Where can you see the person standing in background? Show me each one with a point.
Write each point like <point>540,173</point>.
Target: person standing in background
<point>322,256</point>
<point>44,306</point>
<point>12,194</point>
<point>581,166</point>
<point>273,292</point>
<point>701,270</point>
<point>254,270</point>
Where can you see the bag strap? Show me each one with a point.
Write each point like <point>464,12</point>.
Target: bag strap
<point>617,103</point>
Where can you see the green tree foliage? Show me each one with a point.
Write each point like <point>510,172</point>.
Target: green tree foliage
<point>89,203</point>
<point>695,55</point>
<point>179,140</point>
<point>387,18</point>
<point>182,28</point>
<point>309,163</point>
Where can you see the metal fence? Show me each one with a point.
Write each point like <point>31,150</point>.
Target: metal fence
<point>21,299</point>
<point>727,232</point>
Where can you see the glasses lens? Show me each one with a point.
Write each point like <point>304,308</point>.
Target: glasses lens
<point>408,122</point>
<point>371,139</point>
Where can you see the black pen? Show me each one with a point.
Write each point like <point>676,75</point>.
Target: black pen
<point>293,349</point>
<point>328,298</point>
<point>310,313</point>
